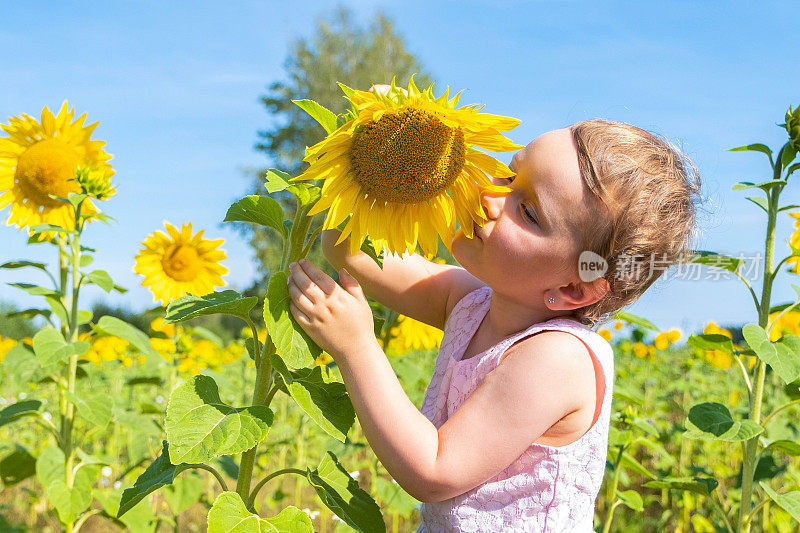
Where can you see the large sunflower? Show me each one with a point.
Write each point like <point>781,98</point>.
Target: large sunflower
<point>179,263</point>
<point>405,167</point>
<point>39,159</point>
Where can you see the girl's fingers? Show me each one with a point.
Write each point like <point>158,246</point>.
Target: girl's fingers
<point>317,276</point>
<point>298,296</point>
<point>310,289</point>
<point>298,314</point>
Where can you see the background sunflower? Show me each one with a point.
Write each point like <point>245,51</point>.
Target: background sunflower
<point>405,167</point>
<point>179,263</point>
<point>39,159</point>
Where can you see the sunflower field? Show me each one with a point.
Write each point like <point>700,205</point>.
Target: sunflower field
<point>177,423</point>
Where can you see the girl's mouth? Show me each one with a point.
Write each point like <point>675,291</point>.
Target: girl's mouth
<point>475,229</point>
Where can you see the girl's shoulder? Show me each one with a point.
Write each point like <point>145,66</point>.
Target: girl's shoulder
<point>462,286</point>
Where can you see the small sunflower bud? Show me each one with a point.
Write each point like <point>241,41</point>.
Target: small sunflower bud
<point>96,183</point>
<point>792,126</point>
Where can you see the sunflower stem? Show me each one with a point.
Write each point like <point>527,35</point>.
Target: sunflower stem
<point>756,394</point>
<point>260,394</point>
<point>72,367</point>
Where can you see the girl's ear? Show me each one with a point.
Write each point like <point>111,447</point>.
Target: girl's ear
<point>582,293</point>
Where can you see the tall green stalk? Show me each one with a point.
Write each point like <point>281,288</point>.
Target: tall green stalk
<point>71,304</point>
<point>757,392</point>
<point>294,248</point>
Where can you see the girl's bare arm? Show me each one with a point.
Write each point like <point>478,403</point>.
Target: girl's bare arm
<point>411,285</point>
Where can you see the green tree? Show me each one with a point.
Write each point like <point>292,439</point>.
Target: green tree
<point>343,51</point>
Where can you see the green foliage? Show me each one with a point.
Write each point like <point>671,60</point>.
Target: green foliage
<point>322,398</point>
<point>51,348</point>
<point>226,302</point>
<point>713,420</point>
<point>200,426</point>
<point>343,496</point>
<point>783,356</point>
<point>17,466</point>
<point>261,210</point>
<point>789,501</point>
<point>229,515</point>
<point>294,345</point>
<point>69,501</point>
<point>116,327</point>
<point>160,472</point>
<point>18,410</point>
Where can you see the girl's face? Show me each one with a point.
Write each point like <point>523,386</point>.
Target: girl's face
<point>530,244</point>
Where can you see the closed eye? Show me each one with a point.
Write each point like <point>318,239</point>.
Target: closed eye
<point>530,216</point>
<point>525,211</point>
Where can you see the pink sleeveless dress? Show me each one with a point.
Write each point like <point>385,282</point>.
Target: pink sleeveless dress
<point>546,489</point>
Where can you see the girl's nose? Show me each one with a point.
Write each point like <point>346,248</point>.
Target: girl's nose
<point>492,204</point>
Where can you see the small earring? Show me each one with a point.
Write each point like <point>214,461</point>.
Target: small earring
<point>551,300</point>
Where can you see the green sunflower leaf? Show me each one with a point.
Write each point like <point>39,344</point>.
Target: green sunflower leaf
<point>22,264</point>
<point>760,201</point>
<point>788,155</point>
<point>713,341</point>
<point>756,147</point>
<point>635,319</point>
<point>697,485</point>
<point>17,466</point>
<point>323,398</point>
<point>114,326</point>
<point>95,407</point>
<point>631,499</point>
<point>293,344</point>
<point>783,355</point>
<point>36,290</point>
<point>30,313</point>
<point>261,210</point>
<point>276,180</point>
<point>20,364</point>
<point>50,346</point>
<point>46,228</point>
<point>102,279</point>
<point>69,502</point>
<point>230,515</point>
<point>714,259</point>
<point>788,447</point>
<point>342,495</point>
<point>790,502</point>
<point>160,472</point>
<point>18,410</point>
<point>326,118</point>
<point>200,427</point>
<point>711,420</point>
<point>217,303</point>
<point>305,193</point>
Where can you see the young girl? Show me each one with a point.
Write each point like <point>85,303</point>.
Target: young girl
<point>513,431</point>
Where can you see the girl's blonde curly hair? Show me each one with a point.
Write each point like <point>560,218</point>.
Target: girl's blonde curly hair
<point>645,191</point>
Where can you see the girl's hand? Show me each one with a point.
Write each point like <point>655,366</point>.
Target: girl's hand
<point>339,319</point>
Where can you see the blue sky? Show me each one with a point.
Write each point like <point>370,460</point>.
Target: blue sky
<point>175,86</point>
